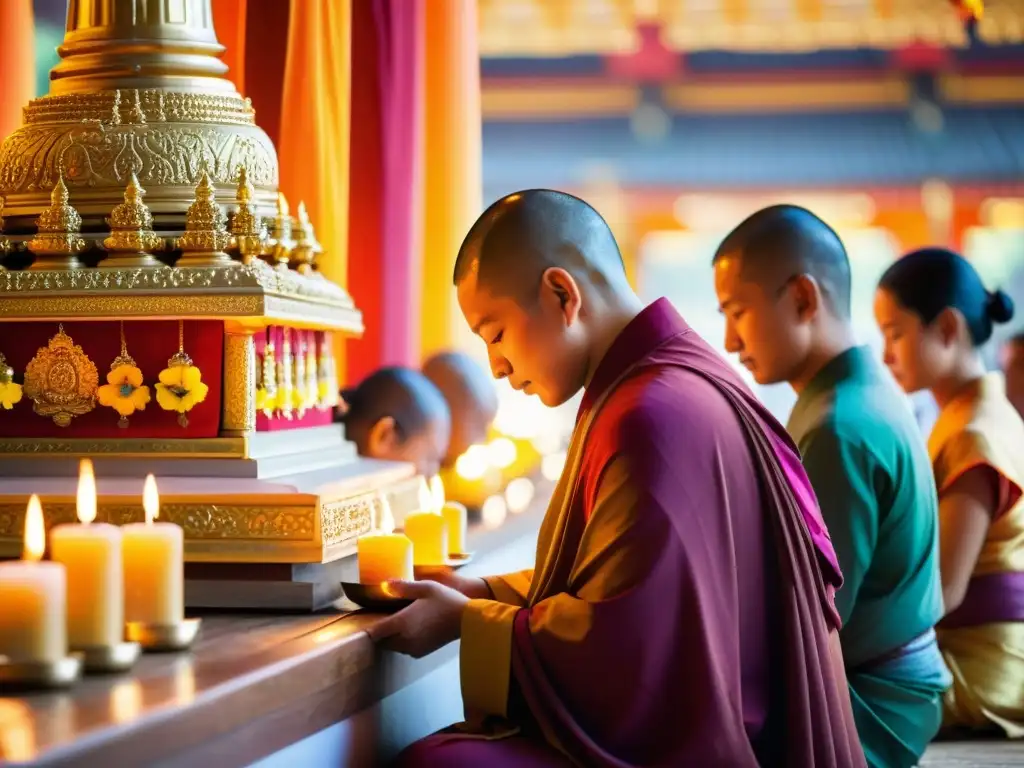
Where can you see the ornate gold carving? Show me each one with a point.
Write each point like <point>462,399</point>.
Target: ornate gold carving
<point>247,228</point>
<point>214,447</point>
<point>239,392</point>
<point>156,106</point>
<point>199,521</point>
<point>131,235</point>
<point>61,380</point>
<point>254,291</point>
<point>57,243</point>
<point>103,155</point>
<point>307,248</point>
<point>205,235</point>
<point>278,247</point>
<point>347,519</point>
<point>5,244</point>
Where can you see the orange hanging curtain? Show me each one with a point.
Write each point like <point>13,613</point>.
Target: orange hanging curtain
<point>17,62</point>
<point>314,144</point>
<point>229,23</point>
<point>452,183</point>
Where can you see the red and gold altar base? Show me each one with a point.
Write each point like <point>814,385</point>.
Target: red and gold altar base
<point>161,311</point>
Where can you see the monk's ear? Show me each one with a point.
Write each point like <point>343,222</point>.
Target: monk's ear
<point>806,296</point>
<point>949,323</point>
<point>382,439</point>
<point>561,286</point>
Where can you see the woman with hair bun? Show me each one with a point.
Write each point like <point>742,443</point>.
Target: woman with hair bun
<point>935,314</point>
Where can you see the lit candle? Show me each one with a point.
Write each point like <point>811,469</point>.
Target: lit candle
<point>33,595</point>
<point>454,515</point>
<point>91,553</point>
<point>384,555</point>
<point>428,531</point>
<point>154,566</point>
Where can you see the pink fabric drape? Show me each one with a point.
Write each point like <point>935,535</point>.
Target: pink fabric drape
<point>400,30</point>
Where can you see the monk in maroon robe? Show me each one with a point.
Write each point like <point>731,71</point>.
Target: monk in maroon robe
<point>681,608</point>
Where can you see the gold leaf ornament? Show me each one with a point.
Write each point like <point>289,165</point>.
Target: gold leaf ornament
<point>124,390</point>
<point>61,380</point>
<point>10,390</point>
<point>181,386</point>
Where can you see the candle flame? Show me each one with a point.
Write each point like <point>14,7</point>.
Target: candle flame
<point>150,500</point>
<point>35,531</point>
<point>387,520</point>
<point>86,502</point>
<point>425,498</point>
<point>437,492</point>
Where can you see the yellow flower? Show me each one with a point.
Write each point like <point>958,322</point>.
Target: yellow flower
<point>10,393</point>
<point>124,391</point>
<point>180,388</point>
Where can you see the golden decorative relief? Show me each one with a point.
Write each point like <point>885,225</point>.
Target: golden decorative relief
<point>103,154</point>
<point>248,232</point>
<point>61,380</point>
<point>57,242</point>
<point>150,106</point>
<point>344,520</point>
<point>131,231</point>
<point>216,447</point>
<point>198,521</point>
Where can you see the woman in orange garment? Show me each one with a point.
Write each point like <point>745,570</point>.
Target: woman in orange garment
<point>935,313</point>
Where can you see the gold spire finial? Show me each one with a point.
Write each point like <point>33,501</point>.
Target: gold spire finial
<point>131,231</point>
<point>206,234</point>
<point>57,244</point>
<point>306,247</point>
<point>247,229</point>
<point>278,247</point>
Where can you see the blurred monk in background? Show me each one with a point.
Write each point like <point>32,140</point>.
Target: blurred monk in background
<point>471,396</point>
<point>395,413</point>
<point>681,611</point>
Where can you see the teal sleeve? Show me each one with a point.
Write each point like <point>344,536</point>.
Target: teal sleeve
<point>841,472</point>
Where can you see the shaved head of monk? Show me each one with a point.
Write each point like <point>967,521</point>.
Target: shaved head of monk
<point>540,279</point>
<point>471,396</point>
<point>783,283</point>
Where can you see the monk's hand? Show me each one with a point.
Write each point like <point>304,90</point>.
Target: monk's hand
<point>431,622</point>
<point>472,587</point>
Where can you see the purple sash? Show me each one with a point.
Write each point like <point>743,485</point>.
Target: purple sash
<point>991,598</point>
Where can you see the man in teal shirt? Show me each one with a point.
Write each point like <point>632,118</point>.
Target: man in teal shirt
<point>783,283</point>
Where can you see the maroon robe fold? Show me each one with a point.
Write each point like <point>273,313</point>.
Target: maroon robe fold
<point>681,612</point>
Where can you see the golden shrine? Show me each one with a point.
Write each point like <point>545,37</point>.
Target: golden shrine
<point>161,311</point>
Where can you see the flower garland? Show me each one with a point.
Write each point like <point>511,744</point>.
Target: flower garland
<point>181,386</point>
<point>124,390</point>
<point>10,391</point>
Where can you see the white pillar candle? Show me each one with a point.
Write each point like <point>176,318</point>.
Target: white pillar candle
<point>91,553</point>
<point>429,534</point>
<point>383,554</point>
<point>33,598</point>
<point>154,565</point>
<point>455,516</point>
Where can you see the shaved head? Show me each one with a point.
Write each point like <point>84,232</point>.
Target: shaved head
<point>471,396</point>
<point>521,235</point>
<point>783,241</point>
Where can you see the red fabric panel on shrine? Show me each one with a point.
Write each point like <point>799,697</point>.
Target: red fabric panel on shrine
<point>151,343</point>
<point>311,418</point>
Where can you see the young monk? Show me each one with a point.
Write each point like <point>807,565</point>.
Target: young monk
<point>783,283</point>
<point>681,608</point>
<point>935,313</point>
<point>471,398</point>
<point>396,413</point>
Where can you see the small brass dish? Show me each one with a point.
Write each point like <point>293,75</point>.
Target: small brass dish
<point>107,659</point>
<point>163,638</point>
<point>40,675</point>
